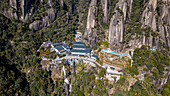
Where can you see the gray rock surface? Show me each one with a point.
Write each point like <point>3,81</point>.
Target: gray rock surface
<point>25,4</point>
<point>10,13</point>
<point>46,21</point>
<point>91,15</point>
<point>36,25</point>
<point>13,3</point>
<point>116,27</point>
<point>91,37</point>
<point>130,7</point>
<point>148,16</point>
<point>51,16</point>
<point>149,20</point>
<point>62,3</point>
<point>105,10</point>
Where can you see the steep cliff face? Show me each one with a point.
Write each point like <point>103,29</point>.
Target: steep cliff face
<point>105,8</point>
<point>164,23</point>
<point>25,6</point>
<point>13,3</point>
<point>62,3</point>
<point>89,35</point>
<point>107,20</point>
<point>138,41</point>
<point>157,16</point>
<point>91,15</point>
<point>116,27</point>
<point>17,9</point>
<point>130,7</point>
<point>25,9</point>
<point>11,11</point>
<point>154,18</point>
<point>149,20</point>
<point>46,20</point>
<point>149,15</point>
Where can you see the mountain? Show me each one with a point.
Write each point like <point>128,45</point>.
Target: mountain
<point>132,23</point>
<point>138,26</point>
<point>126,24</point>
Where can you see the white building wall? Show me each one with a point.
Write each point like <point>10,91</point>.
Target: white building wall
<point>56,50</point>
<point>80,48</point>
<point>78,53</point>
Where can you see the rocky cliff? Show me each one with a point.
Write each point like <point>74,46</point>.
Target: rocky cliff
<point>157,16</point>
<point>46,20</point>
<point>91,15</point>
<point>116,27</point>
<point>25,9</point>
<point>17,9</point>
<point>125,24</point>
<point>90,34</point>
<point>105,8</point>
<point>151,27</point>
<point>10,11</point>
<point>164,22</point>
<point>25,6</point>
<point>149,15</point>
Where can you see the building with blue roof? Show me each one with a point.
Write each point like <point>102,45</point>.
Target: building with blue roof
<point>79,48</point>
<point>94,56</point>
<point>78,43</point>
<point>57,44</point>
<point>66,47</point>
<point>63,52</point>
<point>60,48</point>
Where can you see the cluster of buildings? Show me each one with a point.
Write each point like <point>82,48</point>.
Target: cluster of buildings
<point>78,48</point>
<point>78,51</point>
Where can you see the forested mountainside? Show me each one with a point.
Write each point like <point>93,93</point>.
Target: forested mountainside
<point>124,24</point>
<point>121,25</point>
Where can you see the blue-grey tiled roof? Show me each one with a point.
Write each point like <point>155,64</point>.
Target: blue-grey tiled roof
<point>63,52</point>
<point>57,44</point>
<point>80,51</point>
<point>78,43</point>
<point>94,56</point>
<point>59,48</point>
<point>88,50</point>
<point>77,46</point>
<point>66,46</point>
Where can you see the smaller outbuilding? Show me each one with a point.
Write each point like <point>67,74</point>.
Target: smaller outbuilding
<point>94,57</point>
<point>60,48</point>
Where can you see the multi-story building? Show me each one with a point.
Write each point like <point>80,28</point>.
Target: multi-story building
<point>80,49</point>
